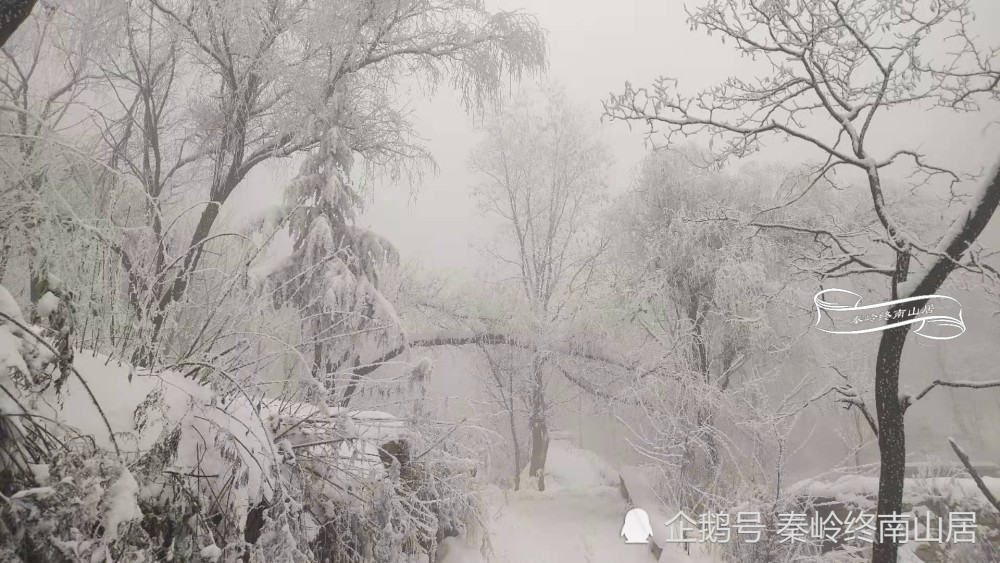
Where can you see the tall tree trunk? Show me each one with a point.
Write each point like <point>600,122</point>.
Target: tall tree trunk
<point>517,448</point>
<point>12,15</point>
<point>227,174</point>
<point>39,282</point>
<point>891,434</point>
<point>539,450</point>
<point>37,270</point>
<point>515,442</point>
<point>191,260</point>
<point>539,426</point>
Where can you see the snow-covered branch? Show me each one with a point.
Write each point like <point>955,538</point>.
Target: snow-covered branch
<point>487,339</point>
<point>950,250</point>
<point>957,385</point>
<point>964,458</point>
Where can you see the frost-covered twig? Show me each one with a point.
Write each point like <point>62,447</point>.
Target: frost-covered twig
<point>440,440</point>
<point>851,398</point>
<point>591,388</point>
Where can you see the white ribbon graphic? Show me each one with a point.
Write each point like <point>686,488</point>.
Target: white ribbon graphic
<point>939,319</point>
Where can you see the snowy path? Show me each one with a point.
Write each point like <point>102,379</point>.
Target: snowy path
<point>579,526</point>
<point>577,519</point>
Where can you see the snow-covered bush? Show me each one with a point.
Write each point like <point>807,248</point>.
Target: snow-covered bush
<point>126,463</point>
<point>67,498</point>
<point>87,509</point>
<point>373,485</point>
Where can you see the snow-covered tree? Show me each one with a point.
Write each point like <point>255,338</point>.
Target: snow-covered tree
<point>833,70</point>
<point>276,80</point>
<point>185,101</point>
<point>48,67</point>
<point>543,175</point>
<point>705,294</point>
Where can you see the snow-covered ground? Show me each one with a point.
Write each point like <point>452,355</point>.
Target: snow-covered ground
<point>578,518</point>
<point>581,525</point>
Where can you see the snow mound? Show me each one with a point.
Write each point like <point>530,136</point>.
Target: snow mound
<point>10,356</point>
<point>211,553</point>
<point>852,489</point>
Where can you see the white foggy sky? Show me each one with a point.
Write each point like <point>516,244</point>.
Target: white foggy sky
<point>594,48</point>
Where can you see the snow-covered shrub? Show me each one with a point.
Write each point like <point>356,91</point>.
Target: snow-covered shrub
<point>23,359</point>
<point>201,476</point>
<point>87,510</point>
<point>372,486</point>
<point>68,499</point>
<point>114,464</point>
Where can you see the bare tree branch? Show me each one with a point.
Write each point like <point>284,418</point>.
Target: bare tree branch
<point>491,339</point>
<point>957,384</point>
<point>975,474</point>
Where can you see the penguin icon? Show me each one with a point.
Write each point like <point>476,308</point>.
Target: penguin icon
<point>637,528</point>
